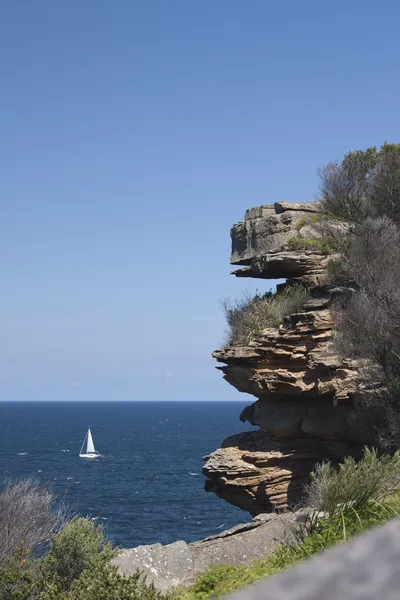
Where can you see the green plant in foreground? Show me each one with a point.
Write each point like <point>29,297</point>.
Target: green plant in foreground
<point>79,546</point>
<point>372,479</point>
<point>326,532</point>
<point>76,567</point>
<point>105,583</point>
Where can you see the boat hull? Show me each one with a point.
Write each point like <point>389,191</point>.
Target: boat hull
<point>89,455</point>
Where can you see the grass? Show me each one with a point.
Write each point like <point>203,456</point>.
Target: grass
<point>355,496</point>
<point>302,243</point>
<point>248,317</point>
<point>327,532</point>
<point>310,220</point>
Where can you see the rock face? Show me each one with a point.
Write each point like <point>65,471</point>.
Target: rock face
<point>306,405</point>
<point>179,563</point>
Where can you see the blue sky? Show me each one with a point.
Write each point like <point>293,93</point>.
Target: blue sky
<point>133,135</point>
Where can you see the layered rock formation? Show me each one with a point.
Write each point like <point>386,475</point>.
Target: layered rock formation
<point>306,407</point>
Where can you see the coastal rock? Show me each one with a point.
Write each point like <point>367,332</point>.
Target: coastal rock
<point>292,361</point>
<point>309,264</point>
<point>263,235</point>
<point>179,563</point>
<point>307,404</point>
<point>165,566</point>
<point>260,474</point>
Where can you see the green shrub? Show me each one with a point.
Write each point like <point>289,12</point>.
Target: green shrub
<point>103,582</point>
<point>301,243</point>
<point>79,546</point>
<point>248,317</point>
<point>336,271</point>
<point>77,567</point>
<point>355,484</point>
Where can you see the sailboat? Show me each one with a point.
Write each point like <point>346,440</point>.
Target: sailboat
<point>90,449</point>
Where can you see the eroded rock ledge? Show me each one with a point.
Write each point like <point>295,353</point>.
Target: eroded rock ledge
<point>307,405</point>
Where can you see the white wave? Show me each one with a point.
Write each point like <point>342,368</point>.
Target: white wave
<point>221,526</point>
<point>22,453</point>
<point>64,450</point>
<point>69,477</point>
<point>193,473</point>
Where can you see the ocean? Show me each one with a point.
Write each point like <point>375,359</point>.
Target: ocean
<point>148,486</point>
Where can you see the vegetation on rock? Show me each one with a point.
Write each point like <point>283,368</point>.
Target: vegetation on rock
<point>248,317</point>
<point>364,191</point>
<point>299,242</point>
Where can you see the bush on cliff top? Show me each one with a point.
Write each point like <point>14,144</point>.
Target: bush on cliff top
<point>364,190</point>
<point>248,317</point>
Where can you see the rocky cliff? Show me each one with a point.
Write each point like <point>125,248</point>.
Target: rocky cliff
<point>306,407</point>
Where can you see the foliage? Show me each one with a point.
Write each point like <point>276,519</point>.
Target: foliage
<point>28,516</point>
<point>105,583</point>
<point>366,184</point>
<point>249,316</point>
<point>310,220</point>
<point>76,567</point>
<point>302,243</point>
<point>373,478</point>
<point>336,272</point>
<point>79,546</point>
<point>364,189</point>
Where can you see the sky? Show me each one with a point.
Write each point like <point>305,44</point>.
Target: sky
<point>133,134</point>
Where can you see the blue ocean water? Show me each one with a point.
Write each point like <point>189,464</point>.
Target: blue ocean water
<point>148,486</point>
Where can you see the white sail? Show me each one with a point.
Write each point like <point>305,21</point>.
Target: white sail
<point>90,445</point>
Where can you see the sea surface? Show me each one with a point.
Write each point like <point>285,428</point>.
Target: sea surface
<point>148,486</point>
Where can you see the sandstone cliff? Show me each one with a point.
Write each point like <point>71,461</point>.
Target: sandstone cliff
<point>306,407</point>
